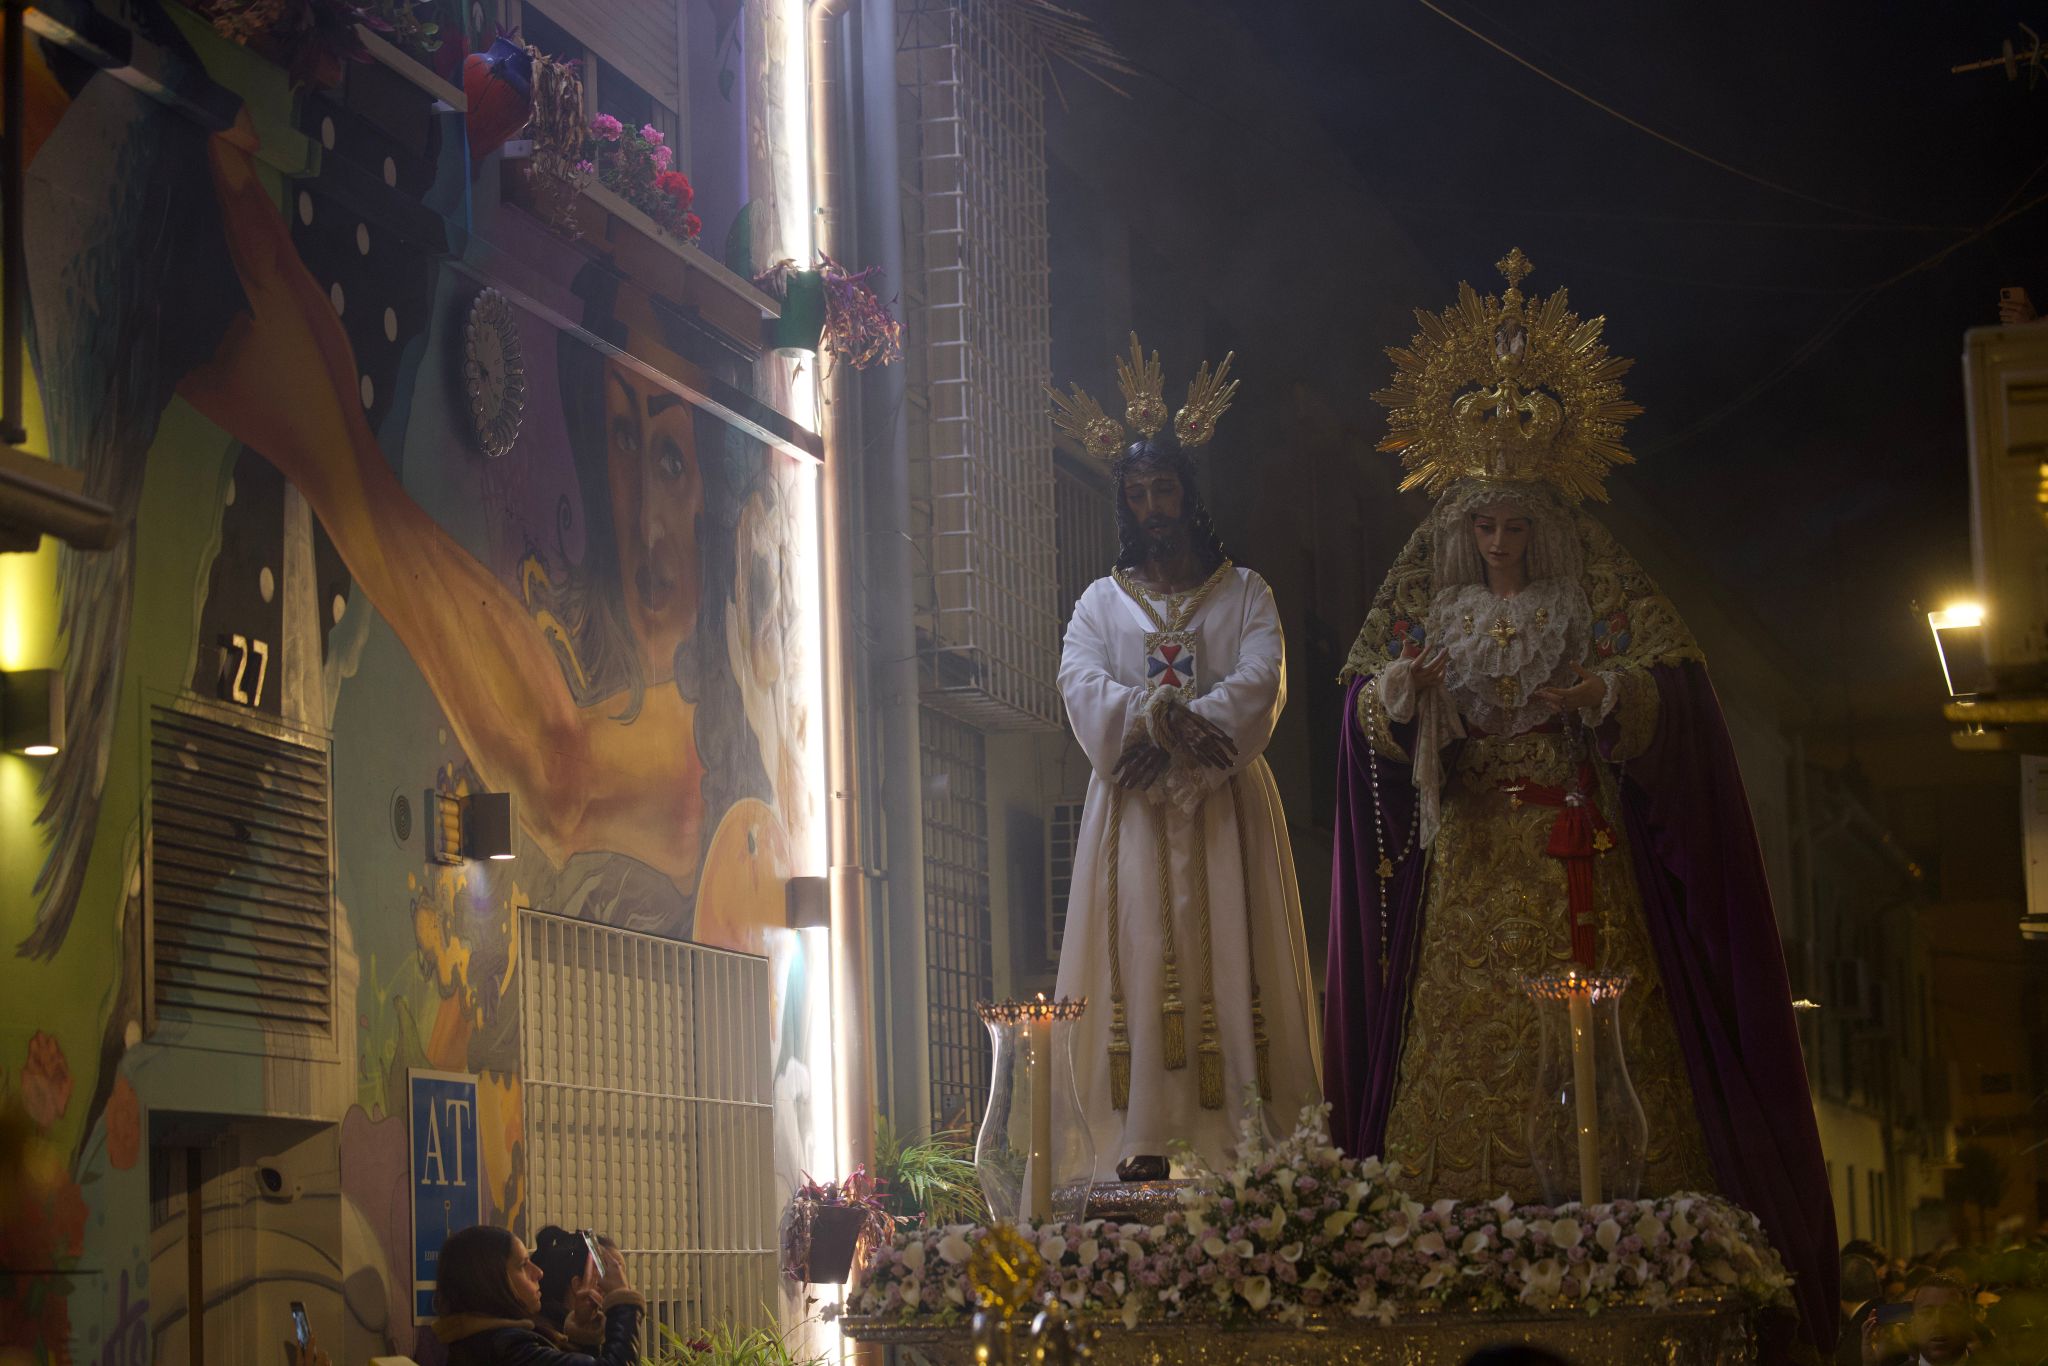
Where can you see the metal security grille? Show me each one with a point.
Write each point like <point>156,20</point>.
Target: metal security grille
<point>1085,533</point>
<point>648,1111</point>
<point>960,967</point>
<point>980,354</point>
<point>1062,836</point>
<point>240,872</point>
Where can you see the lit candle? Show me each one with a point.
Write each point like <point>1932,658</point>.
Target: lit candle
<point>1579,1001</point>
<point>1041,1110</point>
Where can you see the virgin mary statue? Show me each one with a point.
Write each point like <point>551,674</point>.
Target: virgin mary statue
<point>1534,772</point>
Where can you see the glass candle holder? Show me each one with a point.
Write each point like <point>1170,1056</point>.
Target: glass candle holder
<point>1034,1156</point>
<point>1586,1130</point>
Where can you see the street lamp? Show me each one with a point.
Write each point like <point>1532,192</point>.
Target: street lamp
<point>1959,643</point>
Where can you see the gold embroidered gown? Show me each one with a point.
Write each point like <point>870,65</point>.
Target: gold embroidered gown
<point>1495,905</point>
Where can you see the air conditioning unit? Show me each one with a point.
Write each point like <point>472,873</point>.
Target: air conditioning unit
<point>2005,382</point>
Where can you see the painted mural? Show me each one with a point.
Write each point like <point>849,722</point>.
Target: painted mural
<point>251,306</point>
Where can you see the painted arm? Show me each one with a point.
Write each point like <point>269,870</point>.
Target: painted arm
<point>284,383</point>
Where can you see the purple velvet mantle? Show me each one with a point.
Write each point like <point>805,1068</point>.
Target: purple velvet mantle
<point>1708,911</point>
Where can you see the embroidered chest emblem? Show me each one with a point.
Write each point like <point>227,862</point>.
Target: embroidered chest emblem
<point>1170,659</point>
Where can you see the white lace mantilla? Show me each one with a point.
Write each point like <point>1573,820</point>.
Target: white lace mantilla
<point>1503,649</point>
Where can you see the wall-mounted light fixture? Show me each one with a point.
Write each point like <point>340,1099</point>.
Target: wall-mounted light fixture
<point>809,903</point>
<point>32,711</point>
<point>478,825</point>
<point>1959,644</point>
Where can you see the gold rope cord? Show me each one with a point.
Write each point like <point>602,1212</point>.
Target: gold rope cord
<point>1119,1031</point>
<point>1183,608</point>
<point>1262,1045</point>
<point>1172,1012</point>
<point>1209,1053</point>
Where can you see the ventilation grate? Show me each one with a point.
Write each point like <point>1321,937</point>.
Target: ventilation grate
<point>240,874</point>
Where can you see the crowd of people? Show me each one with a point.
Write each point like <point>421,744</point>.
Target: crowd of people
<point>1988,1307</point>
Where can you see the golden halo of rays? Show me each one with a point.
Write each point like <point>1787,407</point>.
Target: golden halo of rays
<point>1466,349</point>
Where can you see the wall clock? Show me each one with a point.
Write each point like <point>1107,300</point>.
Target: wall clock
<point>493,372</point>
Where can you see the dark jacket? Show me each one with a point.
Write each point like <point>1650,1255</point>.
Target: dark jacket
<point>480,1340</point>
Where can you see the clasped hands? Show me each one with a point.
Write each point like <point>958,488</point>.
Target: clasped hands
<point>1143,759</point>
<point>1589,691</point>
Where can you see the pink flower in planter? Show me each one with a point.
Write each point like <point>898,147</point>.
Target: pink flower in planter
<point>662,157</point>
<point>607,127</point>
<point>650,135</point>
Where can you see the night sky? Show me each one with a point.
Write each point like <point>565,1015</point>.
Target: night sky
<point>1804,433</point>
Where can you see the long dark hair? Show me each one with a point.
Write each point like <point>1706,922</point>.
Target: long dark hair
<point>1162,452</point>
<point>561,1256</point>
<point>476,1273</point>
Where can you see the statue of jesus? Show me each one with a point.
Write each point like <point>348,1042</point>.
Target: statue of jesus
<point>1183,928</point>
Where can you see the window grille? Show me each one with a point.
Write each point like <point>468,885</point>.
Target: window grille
<point>1062,836</point>
<point>240,872</point>
<point>980,358</point>
<point>649,1111</point>
<point>960,965</point>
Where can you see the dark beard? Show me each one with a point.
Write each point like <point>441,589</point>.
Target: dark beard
<point>1163,542</point>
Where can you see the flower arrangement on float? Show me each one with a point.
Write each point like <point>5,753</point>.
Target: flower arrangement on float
<point>1297,1230</point>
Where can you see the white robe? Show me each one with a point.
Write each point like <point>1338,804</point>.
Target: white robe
<point>1242,685</point>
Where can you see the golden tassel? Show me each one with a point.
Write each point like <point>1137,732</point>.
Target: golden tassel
<point>1209,1072</point>
<point>1175,1021</point>
<point>1119,1059</point>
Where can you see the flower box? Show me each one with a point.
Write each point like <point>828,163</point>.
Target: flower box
<point>396,59</point>
<point>655,260</point>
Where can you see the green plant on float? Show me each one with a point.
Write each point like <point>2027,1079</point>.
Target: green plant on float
<point>931,1176</point>
<point>730,1345</point>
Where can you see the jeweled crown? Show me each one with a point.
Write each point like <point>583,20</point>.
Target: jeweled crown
<point>1507,388</point>
<point>1143,384</point>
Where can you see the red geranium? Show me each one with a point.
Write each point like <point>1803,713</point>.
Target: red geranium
<point>676,186</point>
<point>692,225</point>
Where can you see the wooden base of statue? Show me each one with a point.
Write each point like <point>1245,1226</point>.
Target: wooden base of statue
<point>1694,1334</point>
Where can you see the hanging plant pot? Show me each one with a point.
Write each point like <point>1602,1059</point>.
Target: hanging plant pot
<point>835,1234</point>
<point>803,314</point>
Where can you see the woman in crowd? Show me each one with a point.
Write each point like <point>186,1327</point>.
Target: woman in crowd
<point>489,1295</point>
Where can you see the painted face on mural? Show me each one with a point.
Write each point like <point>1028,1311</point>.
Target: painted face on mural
<point>651,454</point>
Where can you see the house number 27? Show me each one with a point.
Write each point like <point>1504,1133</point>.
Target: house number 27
<point>235,653</point>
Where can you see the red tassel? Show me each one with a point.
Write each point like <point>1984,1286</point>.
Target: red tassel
<point>1571,842</point>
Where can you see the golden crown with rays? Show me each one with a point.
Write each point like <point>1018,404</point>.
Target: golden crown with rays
<point>1512,389</point>
<point>1144,383</point>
